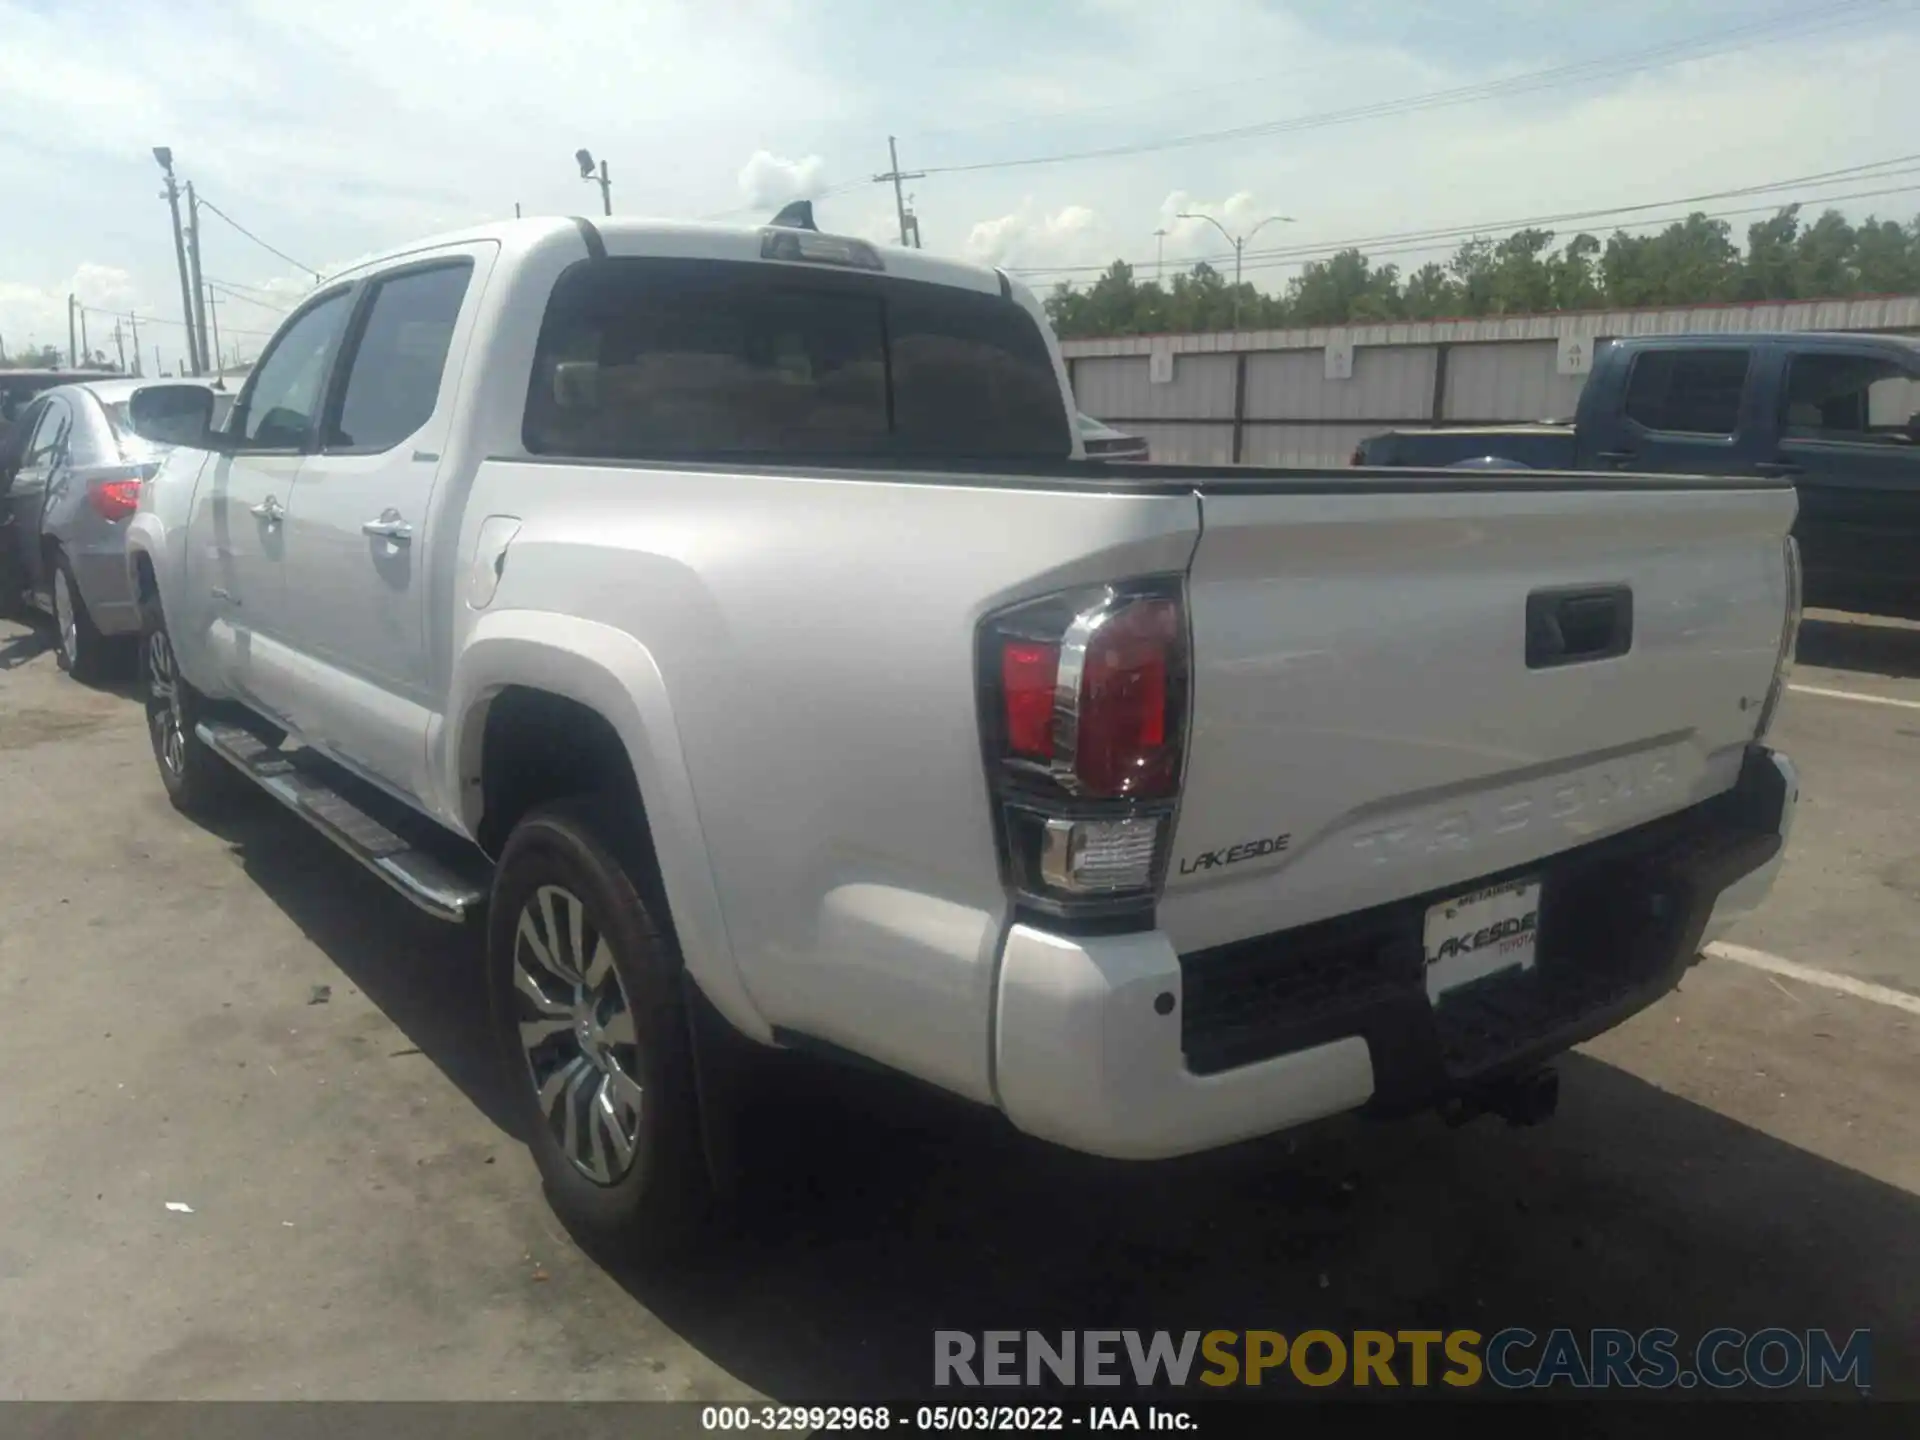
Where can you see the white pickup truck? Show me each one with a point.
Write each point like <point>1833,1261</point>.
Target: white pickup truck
<point>732,619</point>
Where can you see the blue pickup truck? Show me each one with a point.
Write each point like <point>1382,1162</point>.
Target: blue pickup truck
<point>1839,414</point>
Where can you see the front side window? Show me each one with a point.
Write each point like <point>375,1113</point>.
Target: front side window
<point>674,359</point>
<point>393,382</point>
<point>1688,392</point>
<point>279,410</point>
<point>1856,398</point>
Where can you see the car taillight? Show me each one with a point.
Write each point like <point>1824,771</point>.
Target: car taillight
<point>1084,708</point>
<point>116,495</point>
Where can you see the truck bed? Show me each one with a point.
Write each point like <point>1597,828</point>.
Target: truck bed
<point>1540,447</point>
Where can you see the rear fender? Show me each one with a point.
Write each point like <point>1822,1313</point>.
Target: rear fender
<point>613,674</point>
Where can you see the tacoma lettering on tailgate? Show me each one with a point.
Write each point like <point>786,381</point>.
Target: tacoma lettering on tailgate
<point>1561,804</point>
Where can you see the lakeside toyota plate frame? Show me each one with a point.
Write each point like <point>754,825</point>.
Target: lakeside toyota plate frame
<point>1478,935</point>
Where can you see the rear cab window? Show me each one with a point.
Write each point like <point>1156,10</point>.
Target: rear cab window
<point>664,359</point>
<point>1688,392</point>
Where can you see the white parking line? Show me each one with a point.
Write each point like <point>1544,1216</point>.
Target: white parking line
<point>1855,695</point>
<point>1825,979</point>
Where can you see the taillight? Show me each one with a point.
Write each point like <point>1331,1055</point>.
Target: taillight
<point>1084,707</point>
<point>116,495</point>
<point>1789,640</point>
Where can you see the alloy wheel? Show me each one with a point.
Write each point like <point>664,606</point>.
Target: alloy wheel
<point>166,720</point>
<point>577,1032</point>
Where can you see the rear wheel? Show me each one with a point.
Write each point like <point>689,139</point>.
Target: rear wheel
<point>198,781</point>
<point>587,1003</point>
<point>80,647</point>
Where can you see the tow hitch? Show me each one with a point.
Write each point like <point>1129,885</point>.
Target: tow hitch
<point>1524,1099</point>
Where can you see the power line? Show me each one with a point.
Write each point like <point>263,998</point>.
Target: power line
<point>1697,47</point>
<point>254,289</point>
<point>220,287</point>
<point>1872,170</point>
<point>208,204</point>
<point>1067,112</point>
<point>161,320</point>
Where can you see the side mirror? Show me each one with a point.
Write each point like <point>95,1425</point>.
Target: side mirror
<point>173,415</point>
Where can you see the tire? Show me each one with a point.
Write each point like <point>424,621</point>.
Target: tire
<point>597,1046</point>
<point>198,782</point>
<point>79,647</point>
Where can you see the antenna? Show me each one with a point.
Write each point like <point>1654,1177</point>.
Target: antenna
<point>796,216</point>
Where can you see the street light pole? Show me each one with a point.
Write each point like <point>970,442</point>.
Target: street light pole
<point>1239,243</point>
<point>585,159</point>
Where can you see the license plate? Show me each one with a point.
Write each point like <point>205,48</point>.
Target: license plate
<point>1473,936</point>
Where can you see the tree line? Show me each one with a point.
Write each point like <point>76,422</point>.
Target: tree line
<point>52,357</point>
<point>1693,261</point>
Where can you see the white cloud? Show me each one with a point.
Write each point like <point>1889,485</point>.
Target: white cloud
<point>768,180</point>
<point>1031,236</point>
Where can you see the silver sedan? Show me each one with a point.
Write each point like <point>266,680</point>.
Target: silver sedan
<point>71,469</point>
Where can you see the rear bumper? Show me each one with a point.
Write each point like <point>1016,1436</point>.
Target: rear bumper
<point>1117,1046</point>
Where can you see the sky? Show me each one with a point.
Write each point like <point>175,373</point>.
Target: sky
<point>336,131</point>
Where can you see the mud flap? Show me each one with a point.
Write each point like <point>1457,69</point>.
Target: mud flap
<point>721,1072</point>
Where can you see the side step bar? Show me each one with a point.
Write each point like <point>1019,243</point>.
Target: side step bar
<point>446,888</point>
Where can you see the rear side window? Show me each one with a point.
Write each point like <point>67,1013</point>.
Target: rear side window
<point>683,359</point>
<point>1690,392</point>
<point>1858,398</point>
<point>393,381</point>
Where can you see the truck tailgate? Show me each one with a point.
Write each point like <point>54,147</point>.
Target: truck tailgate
<point>1368,721</point>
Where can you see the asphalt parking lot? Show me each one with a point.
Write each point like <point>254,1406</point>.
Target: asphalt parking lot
<point>1746,1153</point>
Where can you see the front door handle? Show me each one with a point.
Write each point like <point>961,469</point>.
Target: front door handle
<point>1617,458</point>
<point>1778,467</point>
<point>389,527</point>
<point>269,510</point>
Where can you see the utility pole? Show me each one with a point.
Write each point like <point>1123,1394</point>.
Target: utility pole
<point>899,196</point>
<point>158,368</point>
<point>133,319</point>
<point>1159,254</point>
<point>172,196</point>
<point>119,346</point>
<point>1239,243</point>
<point>73,360</point>
<point>86,350</point>
<point>516,209</point>
<point>213,307</point>
<point>199,286</point>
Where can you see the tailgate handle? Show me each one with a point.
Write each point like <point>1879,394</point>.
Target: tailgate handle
<point>1573,626</point>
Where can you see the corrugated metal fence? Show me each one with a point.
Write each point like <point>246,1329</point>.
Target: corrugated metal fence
<point>1307,397</point>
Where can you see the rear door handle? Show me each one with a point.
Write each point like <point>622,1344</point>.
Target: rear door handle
<point>389,527</point>
<point>1617,458</point>
<point>269,510</point>
<point>1778,467</point>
